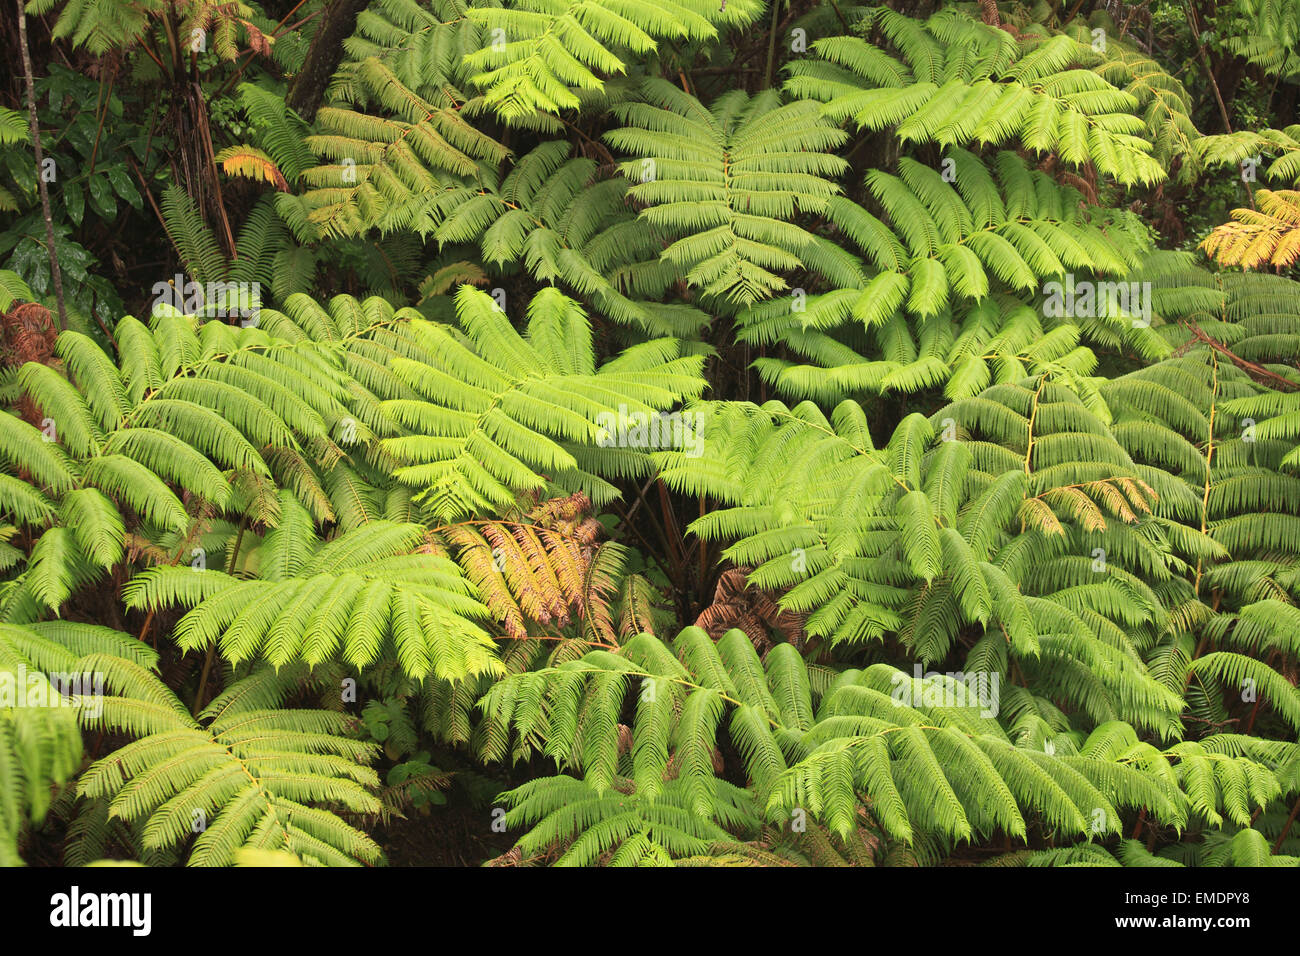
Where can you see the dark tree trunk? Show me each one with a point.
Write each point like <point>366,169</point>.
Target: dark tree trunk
<point>308,88</point>
<point>56,276</point>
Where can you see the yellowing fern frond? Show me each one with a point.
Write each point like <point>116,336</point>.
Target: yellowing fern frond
<point>1269,236</point>
<point>252,163</point>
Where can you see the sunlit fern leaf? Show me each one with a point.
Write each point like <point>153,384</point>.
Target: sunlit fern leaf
<point>48,679</point>
<point>723,183</point>
<point>253,777</point>
<point>916,757</point>
<point>539,57</point>
<point>497,417</point>
<point>351,597</point>
<point>953,80</point>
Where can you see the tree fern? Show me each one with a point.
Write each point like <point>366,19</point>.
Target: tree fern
<point>245,774</point>
<point>537,57</point>
<point>916,762</point>
<point>722,183</point>
<point>955,81</point>
<point>496,412</point>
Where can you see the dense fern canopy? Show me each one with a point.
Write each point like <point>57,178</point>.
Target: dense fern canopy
<point>651,433</point>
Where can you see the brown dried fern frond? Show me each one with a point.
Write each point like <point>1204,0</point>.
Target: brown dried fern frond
<point>756,611</point>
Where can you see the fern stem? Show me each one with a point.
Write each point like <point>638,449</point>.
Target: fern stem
<point>771,45</point>
<point>212,645</point>
<point>203,678</point>
<point>148,620</point>
<point>667,569</point>
<point>153,204</point>
<point>234,552</point>
<point>1074,11</point>
<point>1209,464</point>
<point>650,550</point>
<point>153,56</point>
<point>1295,808</point>
<point>1250,724</point>
<point>1033,412</point>
<point>102,109</point>
<point>840,16</point>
